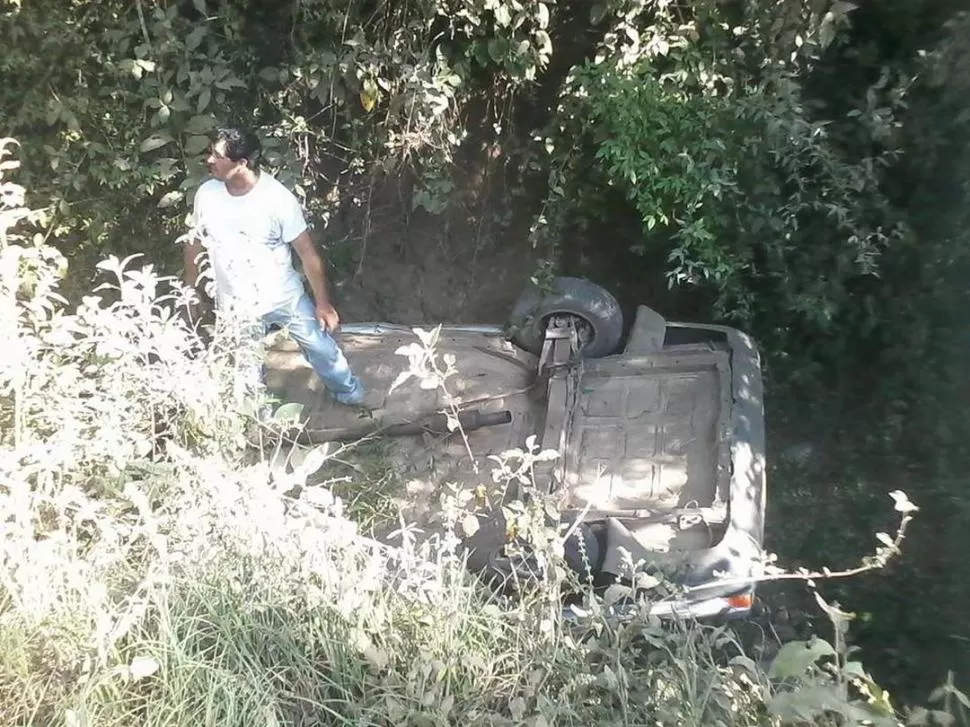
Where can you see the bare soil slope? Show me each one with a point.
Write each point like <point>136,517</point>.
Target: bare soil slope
<point>466,264</point>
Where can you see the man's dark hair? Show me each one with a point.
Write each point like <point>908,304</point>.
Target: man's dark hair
<point>241,143</point>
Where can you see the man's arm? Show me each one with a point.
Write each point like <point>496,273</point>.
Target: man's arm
<point>316,273</point>
<point>191,250</point>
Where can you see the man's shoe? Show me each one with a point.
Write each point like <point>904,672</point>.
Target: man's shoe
<point>360,399</point>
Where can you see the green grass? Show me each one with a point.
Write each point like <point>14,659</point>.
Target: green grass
<point>247,606</point>
<point>366,479</point>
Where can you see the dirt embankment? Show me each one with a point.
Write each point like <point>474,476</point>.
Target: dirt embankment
<point>465,264</point>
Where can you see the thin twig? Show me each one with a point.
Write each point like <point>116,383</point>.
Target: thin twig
<point>367,222</point>
<point>144,25</point>
<point>877,563</point>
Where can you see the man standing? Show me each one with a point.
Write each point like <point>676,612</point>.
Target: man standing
<point>249,222</point>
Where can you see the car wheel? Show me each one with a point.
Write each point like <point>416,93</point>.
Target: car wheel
<point>489,559</point>
<point>510,570</point>
<point>597,313</point>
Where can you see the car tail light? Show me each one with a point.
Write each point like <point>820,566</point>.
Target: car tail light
<point>741,600</point>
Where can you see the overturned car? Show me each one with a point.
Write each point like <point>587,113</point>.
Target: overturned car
<point>659,427</point>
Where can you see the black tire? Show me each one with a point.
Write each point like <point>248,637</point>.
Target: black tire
<point>578,297</point>
<point>488,559</point>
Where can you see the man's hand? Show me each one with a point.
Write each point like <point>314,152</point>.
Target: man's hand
<point>327,315</point>
<point>317,276</point>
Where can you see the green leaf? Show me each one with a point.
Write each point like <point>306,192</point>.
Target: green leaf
<point>616,592</point>
<point>204,98</point>
<point>806,703</point>
<point>289,413</point>
<point>826,31</point>
<point>196,144</point>
<point>542,15</point>
<point>544,42</point>
<point>169,199</point>
<point>469,525</point>
<point>885,539</point>
<point>231,82</point>
<point>194,39</point>
<point>200,124</point>
<point>745,663</point>
<point>74,718</point>
<point>155,141</point>
<point>841,7</point>
<point>961,697</point>
<point>903,503</point>
<point>856,670</point>
<point>369,94</point>
<point>498,48</point>
<point>314,460</point>
<point>795,658</point>
<point>142,667</point>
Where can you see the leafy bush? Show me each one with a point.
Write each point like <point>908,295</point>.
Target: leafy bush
<point>118,98</point>
<point>701,122</point>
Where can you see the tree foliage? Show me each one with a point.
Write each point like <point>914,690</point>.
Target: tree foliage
<point>699,117</point>
<point>118,97</point>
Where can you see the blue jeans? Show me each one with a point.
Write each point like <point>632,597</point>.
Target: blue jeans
<point>319,348</point>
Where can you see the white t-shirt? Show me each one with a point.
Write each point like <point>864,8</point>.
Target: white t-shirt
<point>248,240</point>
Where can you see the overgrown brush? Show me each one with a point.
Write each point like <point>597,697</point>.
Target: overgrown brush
<point>158,569</point>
